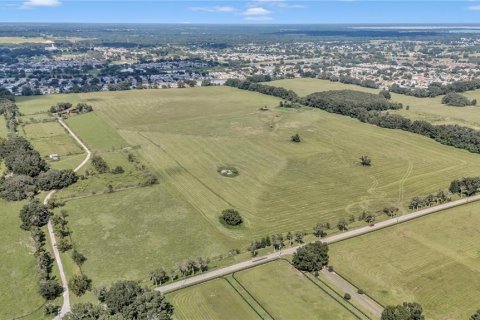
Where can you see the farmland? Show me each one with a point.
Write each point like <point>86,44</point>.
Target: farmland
<point>185,135</point>
<point>428,109</point>
<point>434,261</point>
<point>275,291</point>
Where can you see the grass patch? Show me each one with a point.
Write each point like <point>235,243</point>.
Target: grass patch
<point>434,261</point>
<point>215,299</point>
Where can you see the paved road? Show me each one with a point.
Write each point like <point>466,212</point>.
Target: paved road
<point>66,297</point>
<point>335,238</point>
<point>340,283</point>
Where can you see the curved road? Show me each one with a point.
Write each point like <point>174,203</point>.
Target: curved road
<point>66,297</point>
<point>335,238</point>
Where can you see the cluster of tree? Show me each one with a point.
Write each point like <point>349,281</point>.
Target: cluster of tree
<point>231,217</point>
<point>124,300</point>
<point>430,200</point>
<point>466,186</point>
<point>99,164</point>
<point>457,100</point>
<point>349,102</point>
<point>62,231</point>
<point>6,94</point>
<point>262,88</point>
<point>390,211</point>
<point>275,240</point>
<point>189,267</point>
<point>62,106</point>
<point>288,104</point>
<point>35,215</point>
<point>405,311</point>
<point>319,230</point>
<point>10,112</point>
<point>311,257</point>
<point>28,172</point>
<point>437,89</point>
<point>119,86</point>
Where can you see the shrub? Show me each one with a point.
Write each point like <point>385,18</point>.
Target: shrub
<point>360,291</point>
<point>117,170</point>
<point>79,284</point>
<point>231,217</point>
<point>365,161</point>
<point>78,258</point>
<point>51,309</point>
<point>330,268</point>
<point>99,164</point>
<point>295,138</point>
<point>49,289</point>
<point>64,245</point>
<point>149,179</point>
<point>347,296</point>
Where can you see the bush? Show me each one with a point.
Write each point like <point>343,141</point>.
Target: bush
<point>78,258</point>
<point>51,309</point>
<point>330,268</point>
<point>79,284</point>
<point>365,161</point>
<point>347,296</point>
<point>99,164</point>
<point>64,245</point>
<point>50,289</point>
<point>117,170</point>
<point>360,291</point>
<point>295,138</point>
<point>149,179</point>
<point>456,100</point>
<point>231,217</point>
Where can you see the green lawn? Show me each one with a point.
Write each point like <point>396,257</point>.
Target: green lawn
<point>18,295</point>
<point>212,300</point>
<point>287,294</point>
<point>428,109</point>
<point>434,261</point>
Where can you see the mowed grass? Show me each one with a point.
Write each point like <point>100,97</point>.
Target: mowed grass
<point>434,261</point>
<point>18,276</point>
<point>428,109</point>
<point>184,135</point>
<point>214,299</point>
<point>287,294</point>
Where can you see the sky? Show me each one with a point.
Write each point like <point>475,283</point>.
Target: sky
<point>238,12</point>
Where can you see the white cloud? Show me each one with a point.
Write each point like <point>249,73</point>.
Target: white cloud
<point>279,3</point>
<point>40,3</point>
<point>474,8</point>
<point>258,18</point>
<point>256,11</point>
<point>221,9</point>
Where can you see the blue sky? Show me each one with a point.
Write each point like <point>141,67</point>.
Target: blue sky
<point>251,11</point>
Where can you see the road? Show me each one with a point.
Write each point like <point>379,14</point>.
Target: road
<point>335,238</point>
<point>66,296</point>
<point>340,283</point>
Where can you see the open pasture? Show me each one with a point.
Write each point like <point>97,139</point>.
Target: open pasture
<point>434,261</point>
<point>428,109</point>
<point>184,135</point>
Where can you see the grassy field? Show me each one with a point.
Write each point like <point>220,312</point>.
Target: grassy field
<point>434,261</point>
<point>22,40</point>
<point>287,294</point>
<point>215,299</point>
<point>428,109</point>
<point>185,135</point>
<point>18,295</point>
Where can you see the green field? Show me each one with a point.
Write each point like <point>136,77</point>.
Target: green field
<point>18,295</point>
<point>215,299</point>
<point>428,109</point>
<point>434,261</point>
<point>287,294</point>
<point>185,135</point>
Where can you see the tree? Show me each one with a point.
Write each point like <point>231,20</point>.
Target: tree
<point>456,100</point>
<point>347,296</point>
<point>99,164</point>
<point>122,294</point>
<point>319,231</point>
<point>149,305</point>
<point>86,311</point>
<point>365,161</point>
<point>34,214</point>
<point>476,315</point>
<point>295,138</point>
<point>79,284</point>
<point>78,258</point>
<point>385,94</point>
<point>231,217</point>
<point>298,237</point>
<point>17,187</point>
<point>311,257</point>
<point>405,311</point>
<point>49,289</point>
<point>158,276</point>
<point>342,225</point>
<point>56,179</point>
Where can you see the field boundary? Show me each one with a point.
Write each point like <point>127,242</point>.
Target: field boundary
<point>353,284</point>
<point>244,299</point>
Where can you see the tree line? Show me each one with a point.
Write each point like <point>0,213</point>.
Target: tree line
<point>437,89</point>
<point>262,88</point>
<point>62,106</point>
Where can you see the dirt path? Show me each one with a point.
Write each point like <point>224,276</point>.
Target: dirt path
<point>335,238</point>
<point>66,297</point>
